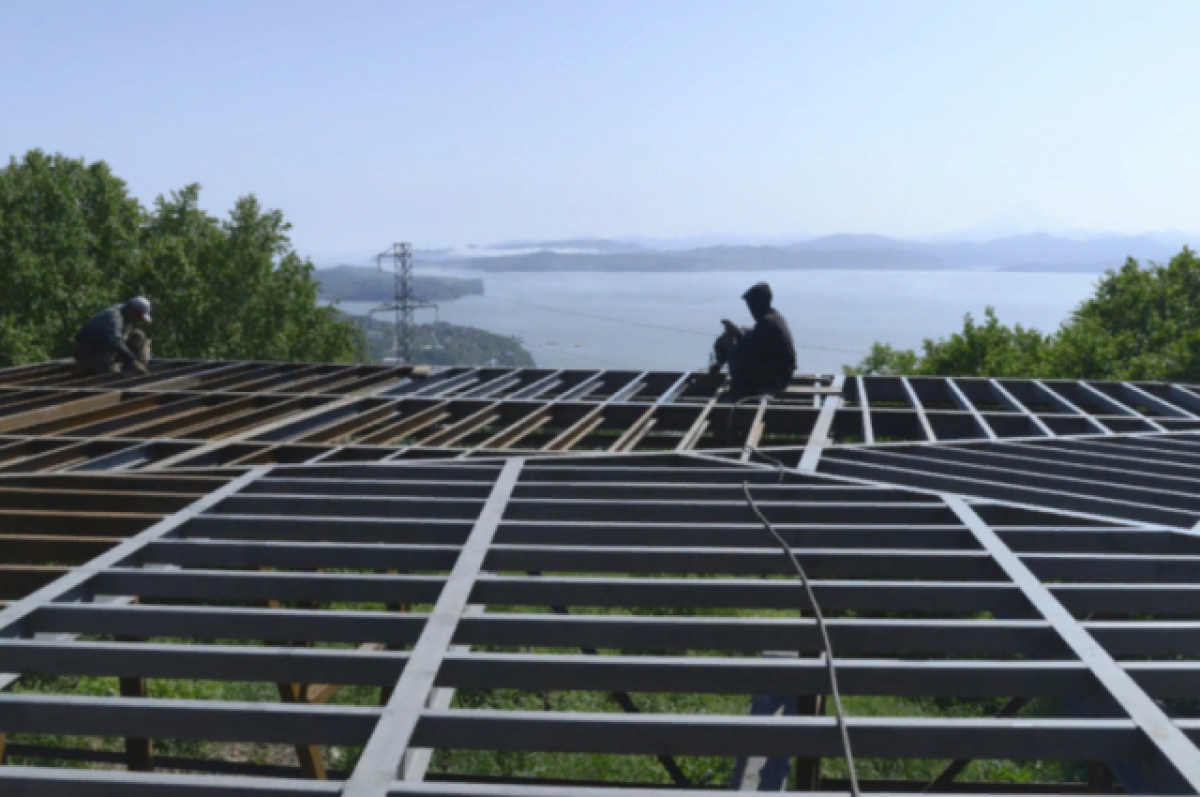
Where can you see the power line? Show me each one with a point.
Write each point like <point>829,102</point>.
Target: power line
<point>629,322</point>
<point>588,359</point>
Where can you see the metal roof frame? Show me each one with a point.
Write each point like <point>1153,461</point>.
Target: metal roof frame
<point>1010,539</point>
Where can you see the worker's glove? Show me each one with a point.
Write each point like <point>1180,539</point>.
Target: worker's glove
<point>731,328</point>
<point>139,369</point>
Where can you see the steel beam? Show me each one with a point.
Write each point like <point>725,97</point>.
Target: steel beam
<point>1168,741</point>
<point>383,753</point>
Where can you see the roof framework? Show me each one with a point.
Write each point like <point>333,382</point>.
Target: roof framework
<point>345,530</point>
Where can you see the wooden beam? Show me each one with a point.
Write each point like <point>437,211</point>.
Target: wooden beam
<point>636,431</point>
<point>526,426</point>
<point>408,425</point>
<point>576,431</point>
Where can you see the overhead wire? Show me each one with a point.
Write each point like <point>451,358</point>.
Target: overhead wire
<point>632,323</point>
<point>597,360</point>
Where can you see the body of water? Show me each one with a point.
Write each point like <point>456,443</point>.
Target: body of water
<point>668,321</point>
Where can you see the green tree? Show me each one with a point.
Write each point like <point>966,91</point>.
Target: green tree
<point>987,349</point>
<point>73,241</point>
<point>884,361</point>
<point>68,234</point>
<point>1142,323</point>
<point>235,289</point>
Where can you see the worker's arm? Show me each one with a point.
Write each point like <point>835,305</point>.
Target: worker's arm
<point>115,340</point>
<point>724,344</point>
<point>754,341</point>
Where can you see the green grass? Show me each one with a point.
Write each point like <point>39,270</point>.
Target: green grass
<point>713,771</point>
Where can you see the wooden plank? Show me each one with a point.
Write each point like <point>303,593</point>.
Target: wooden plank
<point>526,426</point>
<point>407,425</point>
<point>58,411</point>
<point>576,431</point>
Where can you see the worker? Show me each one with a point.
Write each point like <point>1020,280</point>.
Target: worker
<point>761,360</point>
<point>110,341</point>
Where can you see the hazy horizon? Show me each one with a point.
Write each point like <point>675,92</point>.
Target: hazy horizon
<point>368,122</point>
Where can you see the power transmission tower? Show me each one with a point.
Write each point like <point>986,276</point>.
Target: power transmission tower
<point>405,302</point>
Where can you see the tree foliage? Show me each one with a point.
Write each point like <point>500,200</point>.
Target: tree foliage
<point>1142,323</point>
<point>73,241</point>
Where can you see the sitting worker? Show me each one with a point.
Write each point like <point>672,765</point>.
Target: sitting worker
<point>110,342</point>
<point>761,360</point>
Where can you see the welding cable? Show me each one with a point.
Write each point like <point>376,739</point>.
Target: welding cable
<point>816,608</point>
<point>746,447</point>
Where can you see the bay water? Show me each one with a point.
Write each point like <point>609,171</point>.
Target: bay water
<point>668,321</point>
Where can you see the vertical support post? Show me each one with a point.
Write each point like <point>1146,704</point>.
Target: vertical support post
<point>312,761</point>
<point>808,770</point>
<point>309,756</point>
<point>139,753</point>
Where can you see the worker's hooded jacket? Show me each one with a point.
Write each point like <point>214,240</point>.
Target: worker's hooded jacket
<point>768,351</point>
<point>106,331</point>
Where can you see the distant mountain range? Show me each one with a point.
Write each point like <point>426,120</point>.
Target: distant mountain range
<point>1034,252</point>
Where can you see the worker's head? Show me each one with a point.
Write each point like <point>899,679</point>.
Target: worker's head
<point>758,299</point>
<point>137,310</point>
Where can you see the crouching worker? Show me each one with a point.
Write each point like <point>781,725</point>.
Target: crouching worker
<point>110,341</point>
<point>761,360</point>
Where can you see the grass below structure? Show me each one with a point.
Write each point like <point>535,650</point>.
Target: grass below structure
<point>711,771</point>
<point>716,772</point>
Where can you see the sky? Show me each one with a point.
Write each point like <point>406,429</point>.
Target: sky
<point>451,123</point>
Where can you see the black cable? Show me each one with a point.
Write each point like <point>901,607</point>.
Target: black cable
<point>825,639</point>
<point>816,608</point>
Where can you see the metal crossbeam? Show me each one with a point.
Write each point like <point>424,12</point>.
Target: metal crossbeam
<point>953,549</point>
<point>381,756</point>
<point>1168,740</point>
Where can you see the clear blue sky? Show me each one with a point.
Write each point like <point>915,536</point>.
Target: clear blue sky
<point>471,122</point>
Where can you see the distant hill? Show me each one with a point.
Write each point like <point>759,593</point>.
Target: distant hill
<point>1035,252</point>
<point>1038,252</point>
<point>716,258</point>
<point>358,284</point>
<point>588,245</point>
<point>445,344</point>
